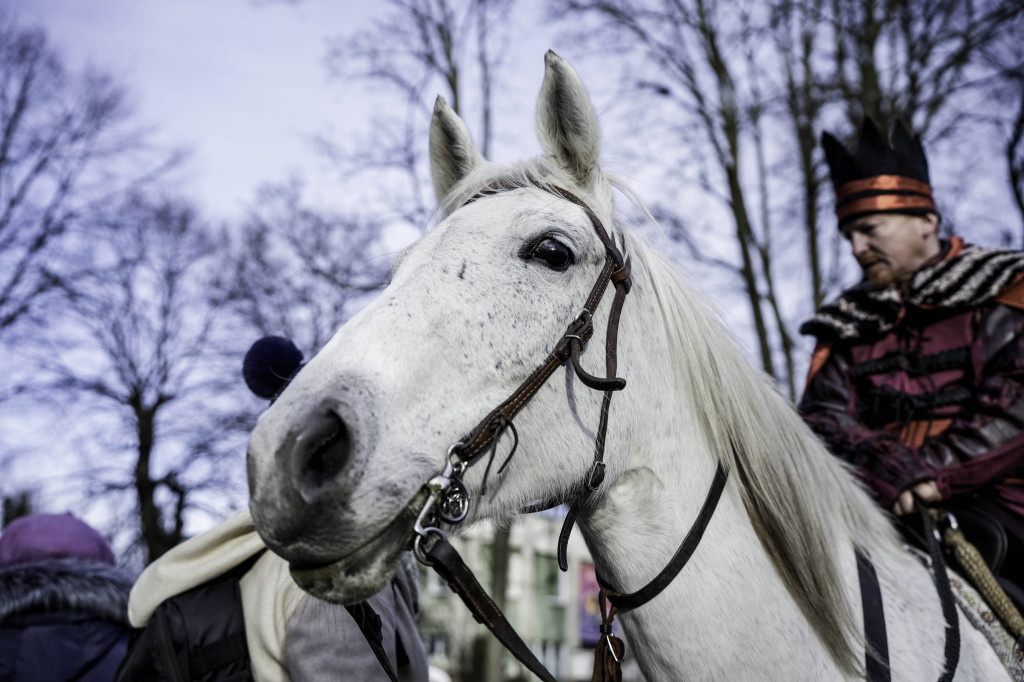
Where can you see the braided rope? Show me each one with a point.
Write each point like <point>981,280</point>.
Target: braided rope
<point>977,570</point>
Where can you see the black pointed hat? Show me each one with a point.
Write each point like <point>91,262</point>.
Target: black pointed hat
<point>880,177</point>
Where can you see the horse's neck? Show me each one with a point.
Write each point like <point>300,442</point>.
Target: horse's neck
<point>728,613</point>
<point>727,599</point>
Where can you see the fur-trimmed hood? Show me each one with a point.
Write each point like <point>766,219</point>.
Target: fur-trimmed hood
<point>67,584</point>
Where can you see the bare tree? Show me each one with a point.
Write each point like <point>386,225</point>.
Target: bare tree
<point>66,148</point>
<point>733,75</point>
<point>711,72</point>
<point>416,51</point>
<point>15,506</point>
<point>905,59</point>
<point>1005,86</point>
<point>1015,152</point>
<point>300,272</point>
<point>139,354</point>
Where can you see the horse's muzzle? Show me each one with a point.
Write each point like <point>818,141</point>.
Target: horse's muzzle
<point>303,478</point>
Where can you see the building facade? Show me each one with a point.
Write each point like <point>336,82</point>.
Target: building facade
<point>555,613</point>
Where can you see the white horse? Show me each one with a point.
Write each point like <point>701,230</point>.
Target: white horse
<point>337,465</point>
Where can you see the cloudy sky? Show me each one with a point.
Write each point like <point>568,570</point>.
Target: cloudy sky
<point>239,84</point>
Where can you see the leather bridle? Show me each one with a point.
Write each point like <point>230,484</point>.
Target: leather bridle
<point>449,496</point>
<point>448,499</point>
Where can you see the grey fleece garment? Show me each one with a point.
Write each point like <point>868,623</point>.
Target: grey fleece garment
<point>321,627</point>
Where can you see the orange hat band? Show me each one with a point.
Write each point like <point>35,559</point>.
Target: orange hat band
<point>883,193</point>
<point>884,202</point>
<point>883,183</point>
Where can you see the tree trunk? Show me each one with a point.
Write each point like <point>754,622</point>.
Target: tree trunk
<point>500,549</point>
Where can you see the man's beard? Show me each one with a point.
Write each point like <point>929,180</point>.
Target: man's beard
<point>880,276</point>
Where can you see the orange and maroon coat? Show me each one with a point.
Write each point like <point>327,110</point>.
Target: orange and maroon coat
<point>929,384</point>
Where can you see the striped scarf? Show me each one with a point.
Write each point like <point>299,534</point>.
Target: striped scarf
<point>972,277</point>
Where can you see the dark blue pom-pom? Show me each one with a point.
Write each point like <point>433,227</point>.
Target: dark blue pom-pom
<point>270,364</point>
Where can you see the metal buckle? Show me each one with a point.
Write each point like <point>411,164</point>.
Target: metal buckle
<point>447,499</point>
<point>417,545</point>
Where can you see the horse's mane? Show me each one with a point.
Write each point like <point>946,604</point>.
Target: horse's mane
<point>799,498</point>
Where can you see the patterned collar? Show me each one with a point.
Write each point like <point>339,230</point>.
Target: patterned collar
<point>967,277</point>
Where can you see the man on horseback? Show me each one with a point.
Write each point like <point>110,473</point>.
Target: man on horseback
<point>918,375</point>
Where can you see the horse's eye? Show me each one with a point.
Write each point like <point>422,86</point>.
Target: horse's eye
<point>554,253</point>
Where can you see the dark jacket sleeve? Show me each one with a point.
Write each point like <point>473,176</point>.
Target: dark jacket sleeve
<point>885,465</point>
<point>986,443</point>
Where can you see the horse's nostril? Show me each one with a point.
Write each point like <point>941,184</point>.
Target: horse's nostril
<point>324,450</point>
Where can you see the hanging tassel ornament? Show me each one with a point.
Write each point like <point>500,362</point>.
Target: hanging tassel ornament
<point>609,651</point>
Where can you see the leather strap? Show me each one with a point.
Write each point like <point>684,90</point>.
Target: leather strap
<point>610,650</point>
<point>568,348</point>
<point>952,649</point>
<point>876,657</point>
<point>616,270</point>
<point>450,566</point>
<point>370,625</point>
<point>596,474</point>
<point>627,602</point>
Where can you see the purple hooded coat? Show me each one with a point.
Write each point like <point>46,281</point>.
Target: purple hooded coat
<point>63,602</point>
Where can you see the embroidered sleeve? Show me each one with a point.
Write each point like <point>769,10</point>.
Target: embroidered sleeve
<point>885,465</point>
<point>987,443</point>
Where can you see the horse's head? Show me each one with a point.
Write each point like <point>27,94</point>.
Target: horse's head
<point>337,465</point>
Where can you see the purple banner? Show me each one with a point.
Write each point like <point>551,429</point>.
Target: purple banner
<point>590,608</point>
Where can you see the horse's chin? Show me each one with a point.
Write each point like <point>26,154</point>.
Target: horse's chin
<point>367,570</point>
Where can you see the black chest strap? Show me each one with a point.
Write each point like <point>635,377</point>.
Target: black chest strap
<point>877,641</point>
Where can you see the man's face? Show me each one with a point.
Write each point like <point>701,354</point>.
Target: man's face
<point>890,247</point>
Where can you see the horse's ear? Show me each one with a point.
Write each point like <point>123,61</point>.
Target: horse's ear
<point>452,152</point>
<point>566,120</point>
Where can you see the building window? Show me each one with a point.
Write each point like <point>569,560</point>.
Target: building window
<point>550,596</point>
